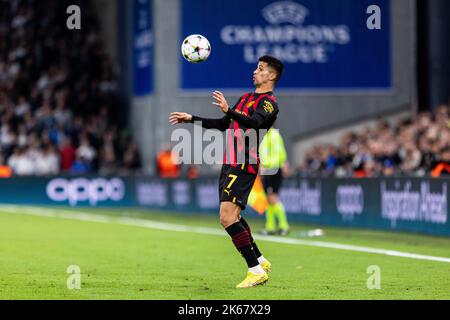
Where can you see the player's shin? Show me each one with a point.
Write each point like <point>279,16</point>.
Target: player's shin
<point>242,242</point>
<point>255,247</point>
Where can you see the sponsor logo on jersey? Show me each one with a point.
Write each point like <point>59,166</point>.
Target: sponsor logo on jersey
<point>241,112</point>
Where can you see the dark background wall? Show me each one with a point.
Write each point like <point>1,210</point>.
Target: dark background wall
<point>433,18</point>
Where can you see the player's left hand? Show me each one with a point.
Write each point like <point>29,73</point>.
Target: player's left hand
<point>220,101</point>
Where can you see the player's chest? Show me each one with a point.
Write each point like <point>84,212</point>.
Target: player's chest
<point>246,109</point>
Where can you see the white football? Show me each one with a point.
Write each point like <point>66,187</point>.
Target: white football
<point>196,48</point>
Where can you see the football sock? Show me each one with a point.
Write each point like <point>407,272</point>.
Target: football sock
<point>255,247</point>
<point>270,218</point>
<point>257,270</point>
<point>261,259</point>
<point>280,213</point>
<point>242,242</point>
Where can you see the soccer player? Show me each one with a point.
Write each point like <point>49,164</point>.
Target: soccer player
<point>274,167</point>
<point>255,111</point>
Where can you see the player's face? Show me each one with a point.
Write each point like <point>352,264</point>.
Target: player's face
<point>263,74</point>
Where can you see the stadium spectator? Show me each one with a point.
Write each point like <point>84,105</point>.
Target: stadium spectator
<point>412,146</point>
<point>5,171</point>
<point>443,167</point>
<point>81,166</point>
<point>56,86</point>
<point>47,161</point>
<point>67,155</point>
<point>166,163</point>
<point>21,162</point>
<point>86,151</point>
<point>108,163</point>
<point>131,159</point>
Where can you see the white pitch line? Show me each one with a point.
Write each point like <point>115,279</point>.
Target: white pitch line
<point>90,217</point>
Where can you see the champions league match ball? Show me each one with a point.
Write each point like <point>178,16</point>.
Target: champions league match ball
<point>196,48</point>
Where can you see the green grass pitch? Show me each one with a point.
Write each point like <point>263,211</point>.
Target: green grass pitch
<point>130,262</point>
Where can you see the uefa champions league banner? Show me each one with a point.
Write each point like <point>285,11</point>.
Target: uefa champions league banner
<point>142,47</point>
<point>325,44</point>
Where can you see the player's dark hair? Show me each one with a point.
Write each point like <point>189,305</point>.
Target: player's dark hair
<point>275,64</point>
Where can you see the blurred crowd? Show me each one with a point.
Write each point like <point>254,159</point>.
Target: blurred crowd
<point>59,111</point>
<point>417,146</point>
<point>169,166</point>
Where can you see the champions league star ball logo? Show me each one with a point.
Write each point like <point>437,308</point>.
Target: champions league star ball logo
<point>285,11</point>
<point>284,33</point>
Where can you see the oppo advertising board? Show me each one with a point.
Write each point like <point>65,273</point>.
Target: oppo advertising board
<point>325,44</point>
<point>397,204</point>
<point>68,191</point>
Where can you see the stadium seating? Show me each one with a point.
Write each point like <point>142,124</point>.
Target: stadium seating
<point>59,111</point>
<point>413,146</point>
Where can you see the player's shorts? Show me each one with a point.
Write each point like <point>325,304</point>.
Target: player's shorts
<point>235,185</point>
<point>272,183</point>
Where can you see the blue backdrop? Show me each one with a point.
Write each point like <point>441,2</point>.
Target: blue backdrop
<point>325,44</point>
<point>142,47</point>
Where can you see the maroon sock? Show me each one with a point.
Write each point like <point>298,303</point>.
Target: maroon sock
<point>255,247</point>
<point>242,242</point>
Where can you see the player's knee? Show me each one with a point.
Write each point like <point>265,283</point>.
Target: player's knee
<point>223,221</point>
<point>228,217</point>
<point>229,214</point>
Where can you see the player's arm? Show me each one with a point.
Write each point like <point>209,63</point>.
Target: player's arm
<point>256,121</point>
<point>181,117</point>
<point>263,112</point>
<point>221,124</point>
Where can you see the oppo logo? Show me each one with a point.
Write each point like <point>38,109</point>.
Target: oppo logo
<point>82,189</point>
<point>350,200</point>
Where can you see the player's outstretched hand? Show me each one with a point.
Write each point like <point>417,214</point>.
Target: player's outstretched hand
<point>220,101</point>
<point>179,117</point>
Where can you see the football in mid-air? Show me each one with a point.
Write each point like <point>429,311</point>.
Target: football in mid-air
<point>196,48</point>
